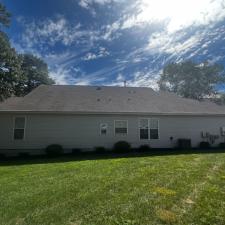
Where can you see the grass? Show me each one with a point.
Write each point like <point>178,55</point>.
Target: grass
<point>140,190</point>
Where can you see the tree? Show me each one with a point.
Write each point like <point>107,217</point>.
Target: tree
<point>35,72</point>
<point>10,68</point>
<point>191,80</point>
<point>4,16</point>
<point>10,64</point>
<point>19,74</point>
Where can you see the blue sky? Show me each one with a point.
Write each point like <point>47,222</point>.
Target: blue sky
<point>104,42</point>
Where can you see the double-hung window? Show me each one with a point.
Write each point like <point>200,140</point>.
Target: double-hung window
<point>148,129</point>
<point>19,128</point>
<point>121,127</point>
<point>154,129</point>
<point>144,129</point>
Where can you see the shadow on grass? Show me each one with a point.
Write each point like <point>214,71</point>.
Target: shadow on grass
<point>42,159</point>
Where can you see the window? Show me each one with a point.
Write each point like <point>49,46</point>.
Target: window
<point>144,129</point>
<point>148,129</point>
<point>19,128</point>
<point>154,129</point>
<point>103,128</point>
<point>121,127</point>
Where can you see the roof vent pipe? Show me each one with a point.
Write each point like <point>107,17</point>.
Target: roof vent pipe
<point>125,83</point>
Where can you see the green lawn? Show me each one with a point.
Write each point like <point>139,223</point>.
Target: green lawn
<point>170,189</point>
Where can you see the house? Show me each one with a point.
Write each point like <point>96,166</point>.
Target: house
<point>86,117</point>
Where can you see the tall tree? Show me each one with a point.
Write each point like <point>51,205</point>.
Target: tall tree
<point>35,72</point>
<point>192,80</point>
<point>10,68</point>
<point>4,16</point>
<point>10,63</point>
<point>19,74</point>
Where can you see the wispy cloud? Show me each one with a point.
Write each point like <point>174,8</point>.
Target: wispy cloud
<point>88,3</point>
<point>100,54</point>
<point>136,40</point>
<point>58,30</point>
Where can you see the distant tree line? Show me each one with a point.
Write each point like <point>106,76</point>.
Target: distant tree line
<point>196,81</point>
<point>19,73</point>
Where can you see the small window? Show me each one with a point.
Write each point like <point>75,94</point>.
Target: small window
<point>103,128</point>
<point>19,128</point>
<point>121,127</point>
<point>154,129</point>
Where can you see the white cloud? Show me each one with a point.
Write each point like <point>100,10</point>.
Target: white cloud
<point>56,30</point>
<point>173,44</point>
<point>112,31</point>
<point>178,14</point>
<point>87,3</point>
<point>101,53</point>
<point>89,56</point>
<point>60,75</point>
<point>139,79</point>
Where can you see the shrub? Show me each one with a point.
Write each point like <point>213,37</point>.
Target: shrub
<point>76,151</point>
<point>54,150</point>
<point>24,154</point>
<point>184,143</point>
<point>100,149</point>
<point>122,147</point>
<point>2,156</point>
<point>204,145</point>
<point>222,145</point>
<point>144,148</point>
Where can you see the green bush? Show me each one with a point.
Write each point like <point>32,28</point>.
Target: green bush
<point>184,143</point>
<point>122,147</point>
<point>100,149</point>
<point>76,151</point>
<point>24,154</point>
<point>54,150</point>
<point>222,145</point>
<point>144,148</point>
<point>204,145</point>
<point>2,156</point>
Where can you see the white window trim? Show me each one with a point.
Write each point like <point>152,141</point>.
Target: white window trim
<point>25,125</point>
<point>100,133</point>
<point>149,128</point>
<point>115,128</point>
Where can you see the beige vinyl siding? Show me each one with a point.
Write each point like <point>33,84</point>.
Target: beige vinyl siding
<point>82,131</point>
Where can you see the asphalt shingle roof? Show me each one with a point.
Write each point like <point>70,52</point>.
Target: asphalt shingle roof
<point>93,99</point>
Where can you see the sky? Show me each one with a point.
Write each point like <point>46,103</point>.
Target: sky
<point>104,42</point>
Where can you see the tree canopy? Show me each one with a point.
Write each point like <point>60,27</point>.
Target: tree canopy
<point>19,74</point>
<point>35,71</point>
<point>10,68</point>
<point>4,16</point>
<point>192,80</point>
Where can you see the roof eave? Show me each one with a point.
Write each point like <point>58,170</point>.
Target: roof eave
<point>110,113</point>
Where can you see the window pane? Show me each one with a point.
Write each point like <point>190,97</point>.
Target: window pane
<point>121,124</point>
<point>143,123</point>
<point>120,127</point>
<point>18,134</point>
<point>103,132</point>
<point>154,134</point>
<point>103,128</point>
<point>144,134</point>
<point>19,122</point>
<point>121,130</point>
<point>154,124</point>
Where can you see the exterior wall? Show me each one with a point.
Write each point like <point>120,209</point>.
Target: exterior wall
<point>83,131</point>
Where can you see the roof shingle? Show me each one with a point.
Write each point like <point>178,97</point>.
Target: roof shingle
<point>93,99</point>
